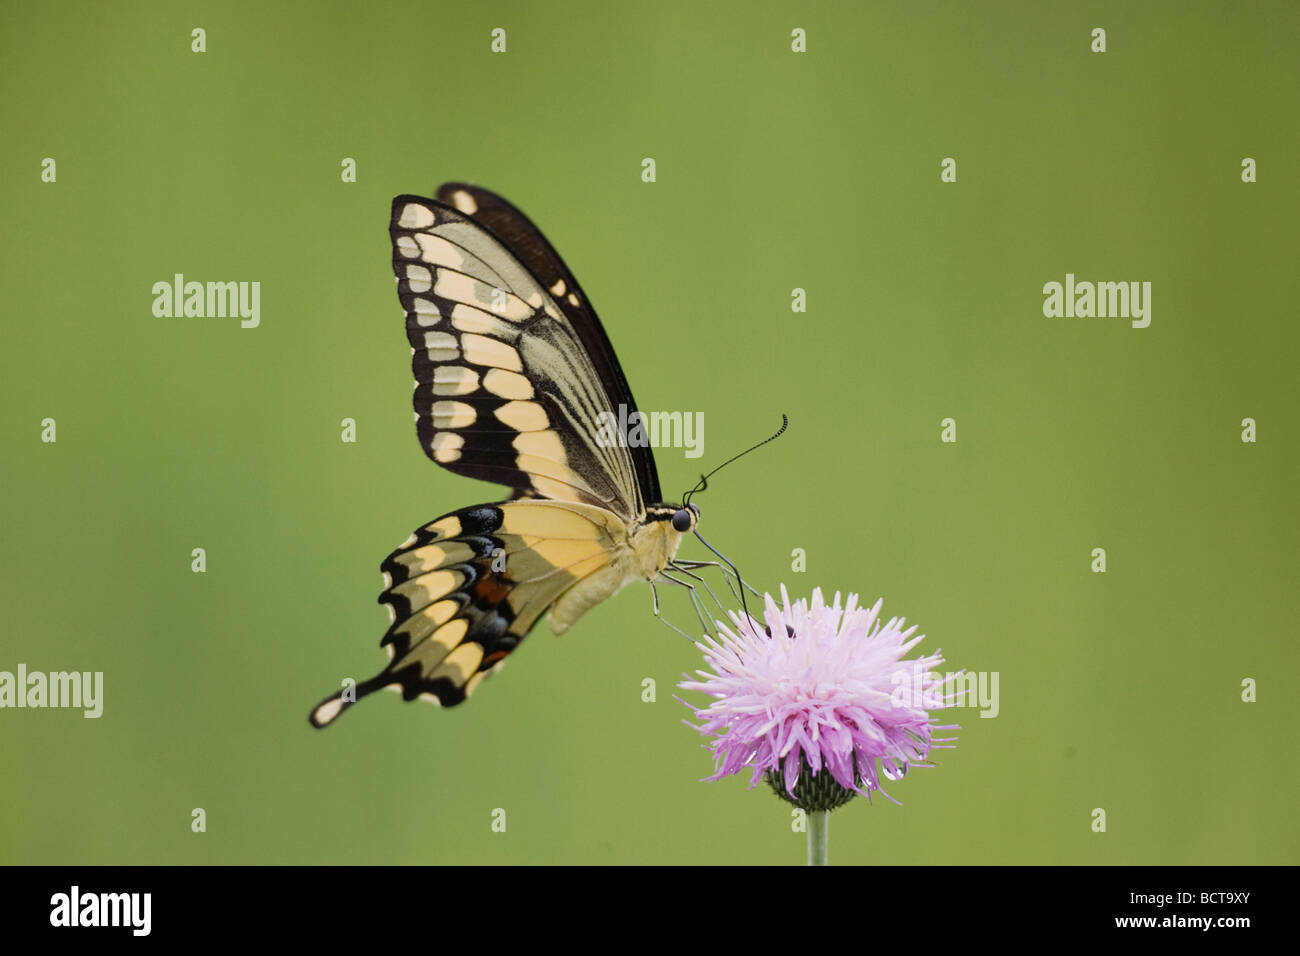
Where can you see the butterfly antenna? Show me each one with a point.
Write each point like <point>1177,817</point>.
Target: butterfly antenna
<point>704,479</point>
<point>704,483</point>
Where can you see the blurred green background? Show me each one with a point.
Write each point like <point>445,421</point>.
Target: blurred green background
<point>775,170</point>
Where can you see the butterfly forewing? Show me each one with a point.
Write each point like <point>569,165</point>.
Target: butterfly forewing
<point>505,390</point>
<point>539,257</point>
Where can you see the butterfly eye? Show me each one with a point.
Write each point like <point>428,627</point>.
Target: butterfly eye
<point>682,521</point>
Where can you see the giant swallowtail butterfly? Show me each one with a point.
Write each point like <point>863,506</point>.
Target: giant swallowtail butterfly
<point>512,370</point>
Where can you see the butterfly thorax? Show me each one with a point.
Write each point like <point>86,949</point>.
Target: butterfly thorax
<point>655,540</point>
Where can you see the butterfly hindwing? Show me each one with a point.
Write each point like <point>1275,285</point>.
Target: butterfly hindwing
<point>507,389</point>
<point>466,589</point>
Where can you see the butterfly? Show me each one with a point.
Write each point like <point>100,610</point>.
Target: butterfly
<point>513,371</point>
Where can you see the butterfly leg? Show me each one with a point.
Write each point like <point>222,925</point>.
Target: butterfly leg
<point>684,569</point>
<point>727,575</point>
<point>654,595</point>
<point>696,601</point>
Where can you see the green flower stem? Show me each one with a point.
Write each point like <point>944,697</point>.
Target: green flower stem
<point>819,831</point>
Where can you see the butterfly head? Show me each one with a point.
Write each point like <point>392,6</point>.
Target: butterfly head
<point>686,518</point>
<point>683,518</point>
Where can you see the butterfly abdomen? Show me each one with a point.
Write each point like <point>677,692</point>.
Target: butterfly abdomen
<point>585,595</point>
<point>644,551</point>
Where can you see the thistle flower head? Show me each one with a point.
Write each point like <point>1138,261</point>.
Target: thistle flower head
<point>818,690</point>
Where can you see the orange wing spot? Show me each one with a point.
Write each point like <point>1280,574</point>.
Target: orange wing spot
<point>492,658</point>
<point>491,590</point>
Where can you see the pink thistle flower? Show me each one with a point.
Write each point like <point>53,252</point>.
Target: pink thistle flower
<point>819,688</point>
